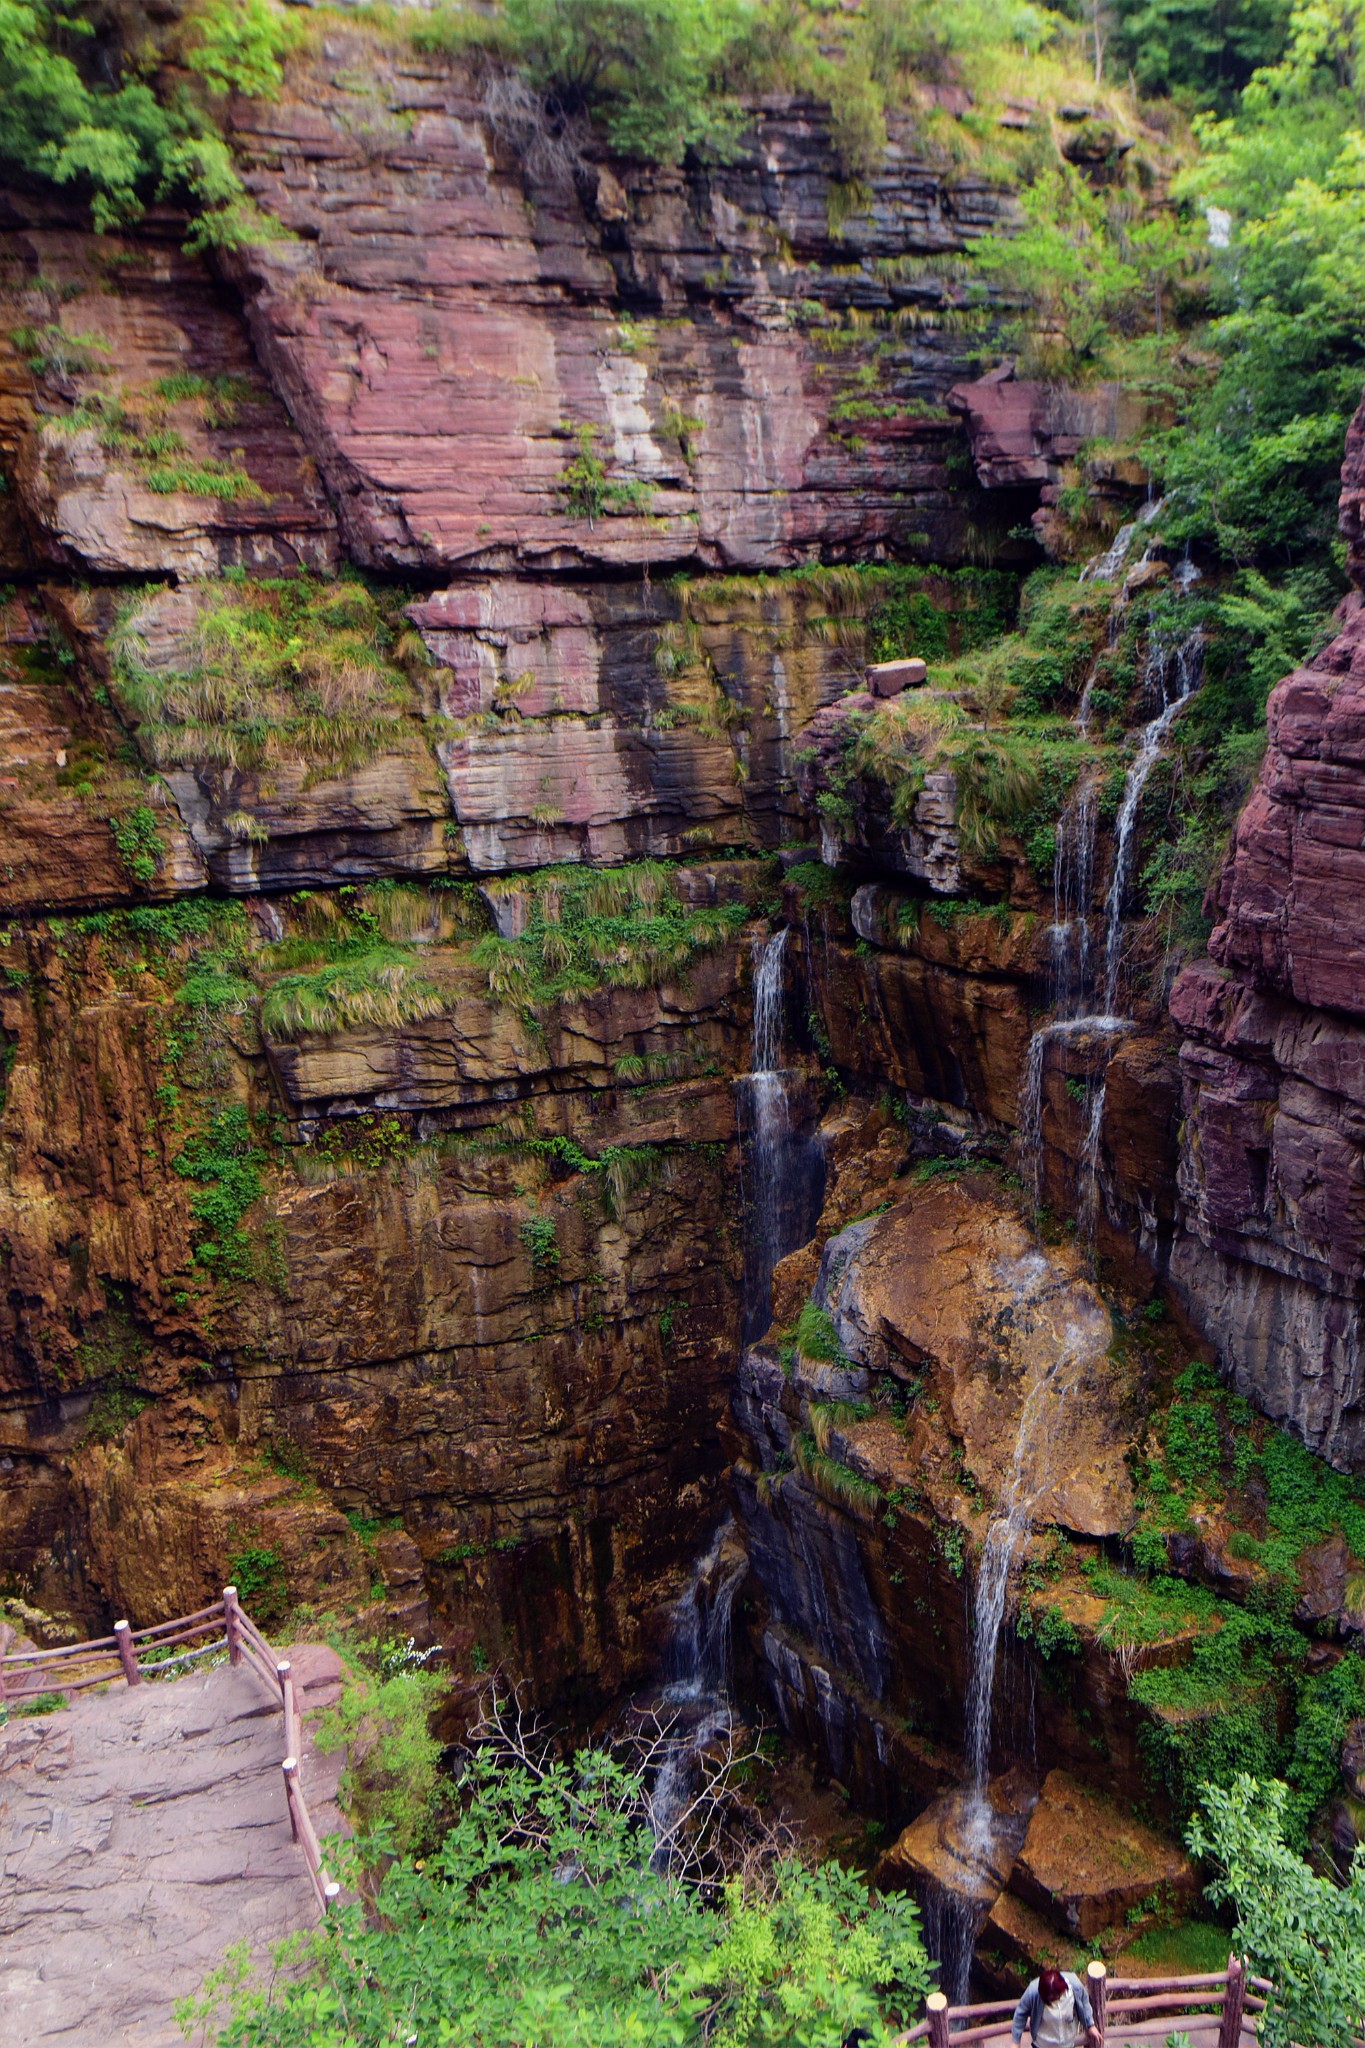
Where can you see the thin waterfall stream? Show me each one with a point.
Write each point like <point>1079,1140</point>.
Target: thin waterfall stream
<point>695,1705</point>
<point>785,1166</point>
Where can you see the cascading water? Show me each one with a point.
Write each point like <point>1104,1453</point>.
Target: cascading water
<point>1029,1482</point>
<point>786,1168</point>
<point>694,1706</point>
<point>1175,669</point>
<point>1073,874</point>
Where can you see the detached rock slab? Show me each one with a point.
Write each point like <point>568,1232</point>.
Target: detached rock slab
<point>1085,1862</point>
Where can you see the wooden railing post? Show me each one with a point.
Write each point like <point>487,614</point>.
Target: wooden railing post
<point>937,2006</point>
<point>290,1768</point>
<point>290,1700</point>
<point>331,1892</point>
<point>127,1655</point>
<point>1234,2005</point>
<point>1097,1984</point>
<point>232,1617</point>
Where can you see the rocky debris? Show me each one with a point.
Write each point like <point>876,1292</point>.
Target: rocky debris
<point>951,1282</point>
<point>1022,431</point>
<point>1085,1863</point>
<point>145,1830</point>
<point>943,1853</point>
<point>889,678</point>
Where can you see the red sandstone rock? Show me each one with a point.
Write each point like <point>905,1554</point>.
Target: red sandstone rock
<point>1272,1172</point>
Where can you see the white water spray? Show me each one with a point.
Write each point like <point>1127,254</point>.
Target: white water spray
<point>695,1702</point>
<point>1174,672</point>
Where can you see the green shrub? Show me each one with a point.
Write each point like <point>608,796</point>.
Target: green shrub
<point>72,112</point>
<point>1305,1933</point>
<point>138,842</point>
<point>540,1918</point>
<point>274,669</point>
<point>257,1571</point>
<point>592,928</point>
<point>647,69</point>
<point>226,1161</point>
<point>392,1782</point>
<point>538,1236</point>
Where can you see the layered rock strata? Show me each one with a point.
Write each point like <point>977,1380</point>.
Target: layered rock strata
<point>1271,1258</point>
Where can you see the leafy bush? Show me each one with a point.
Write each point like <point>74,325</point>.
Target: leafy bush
<point>257,1571</point>
<point>540,1918</point>
<point>226,1161</point>
<point>538,1236</point>
<point>392,1782</point>
<point>1303,1932</point>
<point>138,842</point>
<point>62,120</point>
<point>647,69</point>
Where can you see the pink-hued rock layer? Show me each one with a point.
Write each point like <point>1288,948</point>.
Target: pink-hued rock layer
<point>1272,1172</point>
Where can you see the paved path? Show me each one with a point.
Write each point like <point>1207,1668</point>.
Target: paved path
<point>141,1831</point>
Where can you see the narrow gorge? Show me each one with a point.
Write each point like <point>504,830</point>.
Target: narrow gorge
<point>614,1063</point>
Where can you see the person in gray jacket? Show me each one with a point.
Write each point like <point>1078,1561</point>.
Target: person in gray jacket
<point>1057,2011</point>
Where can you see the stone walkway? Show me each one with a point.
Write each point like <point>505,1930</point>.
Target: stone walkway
<point>142,1831</point>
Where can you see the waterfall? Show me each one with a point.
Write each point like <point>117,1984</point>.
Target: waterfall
<point>770,1122</point>
<point>1025,1489</point>
<point>1174,672</point>
<point>1101,567</point>
<point>694,1705</point>
<point>1031,1099</point>
<point>1073,872</point>
<point>786,1168</point>
<point>1088,1179</point>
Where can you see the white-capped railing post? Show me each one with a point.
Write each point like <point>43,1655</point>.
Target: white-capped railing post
<point>127,1655</point>
<point>1097,1984</point>
<point>937,2007</point>
<point>232,1617</point>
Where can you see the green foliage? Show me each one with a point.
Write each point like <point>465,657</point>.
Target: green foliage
<point>1303,1932</point>
<point>836,1481</point>
<point>257,1571</point>
<point>816,1337</point>
<point>649,70</point>
<point>138,842</point>
<point>237,46</point>
<point>374,984</point>
<point>392,1782</point>
<point>1049,1631</point>
<point>1255,469</point>
<point>593,928</point>
<point>538,1236</point>
<point>540,1919</point>
<point>225,1160</point>
<point>111,1411</point>
<point>33,1709</point>
<point>587,490</point>
<point>73,112</point>
<point>274,669</point>
<point>1188,48</point>
<point>1218,1712</point>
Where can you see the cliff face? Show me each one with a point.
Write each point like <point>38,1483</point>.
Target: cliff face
<point>429,1299</point>
<point>1272,1258</point>
<point>376,1216</point>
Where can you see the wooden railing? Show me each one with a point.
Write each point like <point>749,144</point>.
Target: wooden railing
<point>1125,2008</point>
<point>137,1654</point>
